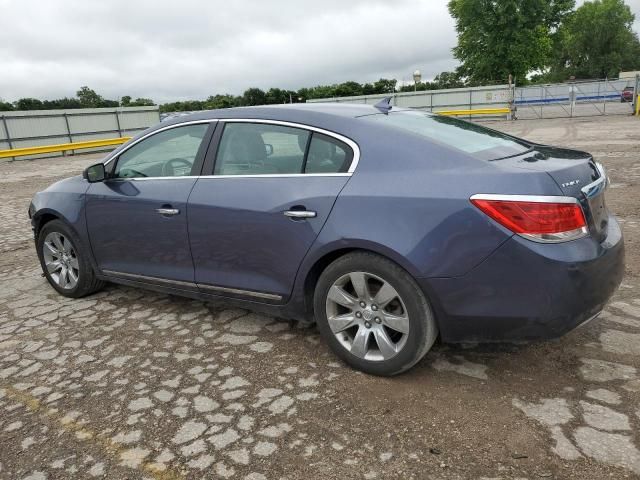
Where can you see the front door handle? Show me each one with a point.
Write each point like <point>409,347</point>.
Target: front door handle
<point>167,211</point>
<point>300,214</point>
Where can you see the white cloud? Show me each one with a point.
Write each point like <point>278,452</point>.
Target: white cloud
<point>192,49</point>
<point>195,48</point>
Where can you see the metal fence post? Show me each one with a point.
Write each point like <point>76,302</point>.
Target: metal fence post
<point>120,129</point>
<point>572,97</point>
<point>604,100</point>
<point>6,130</point>
<point>636,95</point>
<point>66,122</point>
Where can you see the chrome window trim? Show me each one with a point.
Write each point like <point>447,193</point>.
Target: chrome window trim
<point>353,145</point>
<point>159,280</point>
<point>266,175</point>
<point>524,198</point>
<point>168,127</point>
<point>596,187</point>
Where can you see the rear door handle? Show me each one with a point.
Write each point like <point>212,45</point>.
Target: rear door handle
<point>300,214</point>
<point>167,211</point>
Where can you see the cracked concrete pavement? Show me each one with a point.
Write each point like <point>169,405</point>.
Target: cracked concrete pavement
<point>129,383</point>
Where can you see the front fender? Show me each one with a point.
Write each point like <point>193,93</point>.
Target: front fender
<point>63,200</point>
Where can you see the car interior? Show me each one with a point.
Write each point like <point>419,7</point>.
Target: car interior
<point>255,150</point>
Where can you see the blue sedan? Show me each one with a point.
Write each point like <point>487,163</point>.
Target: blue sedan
<point>388,227</point>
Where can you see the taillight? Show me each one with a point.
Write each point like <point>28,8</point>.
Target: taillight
<point>538,218</point>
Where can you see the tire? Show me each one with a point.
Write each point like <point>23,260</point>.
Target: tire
<point>385,339</point>
<point>72,258</point>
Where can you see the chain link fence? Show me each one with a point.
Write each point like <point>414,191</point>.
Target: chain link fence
<point>575,99</point>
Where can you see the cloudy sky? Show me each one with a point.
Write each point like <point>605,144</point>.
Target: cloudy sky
<point>195,48</point>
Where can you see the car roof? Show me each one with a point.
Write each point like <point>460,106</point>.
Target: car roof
<point>292,111</point>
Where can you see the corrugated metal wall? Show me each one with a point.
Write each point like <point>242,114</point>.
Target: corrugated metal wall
<point>433,100</point>
<point>584,98</point>
<point>49,127</point>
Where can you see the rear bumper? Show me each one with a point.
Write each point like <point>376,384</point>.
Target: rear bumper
<point>529,291</point>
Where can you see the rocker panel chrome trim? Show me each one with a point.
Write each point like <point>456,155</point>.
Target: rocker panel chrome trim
<point>158,280</point>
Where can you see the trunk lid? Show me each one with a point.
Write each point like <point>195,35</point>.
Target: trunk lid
<point>576,174</point>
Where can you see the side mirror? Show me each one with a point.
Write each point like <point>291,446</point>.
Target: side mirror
<point>269,148</point>
<point>95,173</point>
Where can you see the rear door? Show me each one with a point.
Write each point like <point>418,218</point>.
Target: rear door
<point>137,218</point>
<point>270,190</point>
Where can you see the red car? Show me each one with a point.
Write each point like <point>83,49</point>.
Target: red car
<point>627,95</point>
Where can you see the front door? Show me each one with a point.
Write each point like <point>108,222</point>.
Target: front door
<point>137,218</point>
<point>252,222</point>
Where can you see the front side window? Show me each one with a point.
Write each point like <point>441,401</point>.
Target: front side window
<point>170,153</point>
<point>261,149</point>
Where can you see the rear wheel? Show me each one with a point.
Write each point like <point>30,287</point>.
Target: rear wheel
<point>373,315</point>
<point>64,263</point>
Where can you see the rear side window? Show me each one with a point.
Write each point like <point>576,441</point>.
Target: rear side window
<point>266,149</point>
<point>476,140</point>
<point>261,149</point>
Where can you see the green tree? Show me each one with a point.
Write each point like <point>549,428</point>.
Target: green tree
<point>348,89</point>
<point>108,103</point>
<point>89,98</point>
<point>597,41</point>
<point>385,85</point>
<point>5,106</point>
<point>29,104</point>
<point>142,102</point>
<point>448,80</point>
<point>61,103</point>
<point>125,101</point>
<point>254,96</point>
<point>221,101</point>
<point>501,37</point>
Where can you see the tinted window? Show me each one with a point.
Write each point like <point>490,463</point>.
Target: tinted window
<point>260,149</point>
<point>170,153</point>
<point>327,155</point>
<point>479,141</point>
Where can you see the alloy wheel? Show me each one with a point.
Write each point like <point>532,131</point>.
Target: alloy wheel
<point>60,260</point>
<point>367,316</point>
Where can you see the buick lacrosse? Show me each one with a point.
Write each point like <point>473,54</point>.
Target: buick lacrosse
<point>388,227</point>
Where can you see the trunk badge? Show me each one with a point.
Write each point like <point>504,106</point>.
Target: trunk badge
<point>571,183</point>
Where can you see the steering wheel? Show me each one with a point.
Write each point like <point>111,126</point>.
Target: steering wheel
<point>169,167</point>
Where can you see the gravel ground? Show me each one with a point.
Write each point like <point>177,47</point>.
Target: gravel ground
<point>132,384</point>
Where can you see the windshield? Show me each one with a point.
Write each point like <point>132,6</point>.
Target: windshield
<point>476,140</point>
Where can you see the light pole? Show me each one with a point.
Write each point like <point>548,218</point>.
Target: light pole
<point>417,76</point>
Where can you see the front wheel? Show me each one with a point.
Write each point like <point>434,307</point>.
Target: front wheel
<point>64,263</point>
<point>373,315</point>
